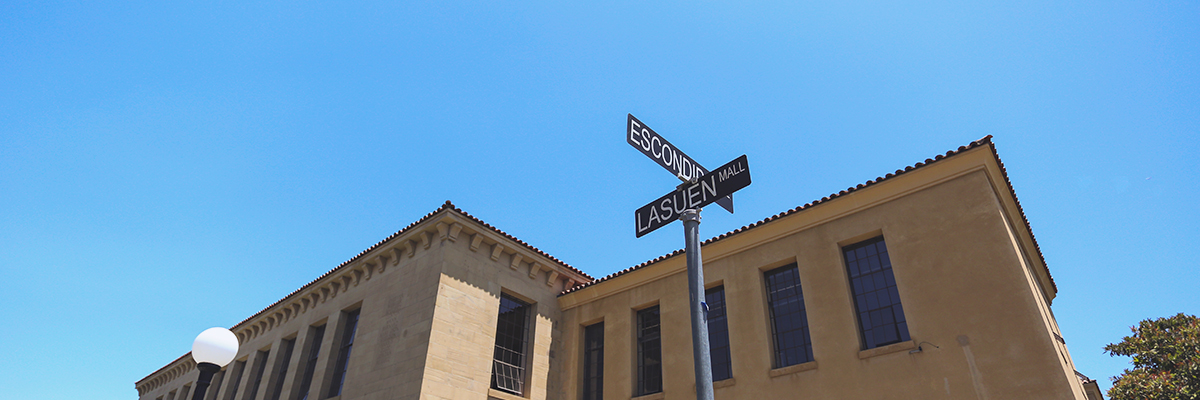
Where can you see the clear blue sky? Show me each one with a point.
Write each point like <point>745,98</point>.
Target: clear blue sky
<point>166,168</point>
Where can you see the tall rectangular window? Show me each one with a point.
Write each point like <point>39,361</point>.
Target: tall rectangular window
<point>593,362</point>
<point>718,334</point>
<point>880,316</point>
<point>343,360</point>
<point>259,368</point>
<point>236,374</point>
<point>343,352</point>
<point>315,336</point>
<point>283,363</point>
<point>789,320</point>
<point>649,352</point>
<point>508,360</point>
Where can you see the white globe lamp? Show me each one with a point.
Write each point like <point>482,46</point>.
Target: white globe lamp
<point>214,348</point>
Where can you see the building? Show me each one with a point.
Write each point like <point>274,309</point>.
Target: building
<point>926,283</point>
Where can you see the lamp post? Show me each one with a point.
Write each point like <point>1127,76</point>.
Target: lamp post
<point>214,348</point>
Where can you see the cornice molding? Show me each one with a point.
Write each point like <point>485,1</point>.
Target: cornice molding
<point>392,252</point>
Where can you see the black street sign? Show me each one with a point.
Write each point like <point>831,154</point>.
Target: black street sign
<point>656,147</point>
<point>714,185</point>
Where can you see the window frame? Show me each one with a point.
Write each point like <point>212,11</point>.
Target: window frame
<point>260,367</point>
<point>510,365</point>
<point>282,365</point>
<point>238,370</point>
<point>721,325</point>
<point>592,381</point>
<point>316,335</point>
<point>349,330</point>
<point>648,378</point>
<point>881,280</point>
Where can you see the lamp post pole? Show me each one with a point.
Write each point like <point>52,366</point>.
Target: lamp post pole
<point>695,273</point>
<point>207,370</point>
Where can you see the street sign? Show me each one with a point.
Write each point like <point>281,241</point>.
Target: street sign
<point>656,147</point>
<point>700,188</point>
<point>714,185</point>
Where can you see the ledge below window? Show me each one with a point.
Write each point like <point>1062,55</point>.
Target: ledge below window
<point>792,369</point>
<point>724,383</point>
<point>502,395</point>
<point>891,348</point>
<point>651,396</point>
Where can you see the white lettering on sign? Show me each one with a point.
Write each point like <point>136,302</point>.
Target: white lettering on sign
<point>662,151</point>
<point>710,187</point>
<point>731,171</point>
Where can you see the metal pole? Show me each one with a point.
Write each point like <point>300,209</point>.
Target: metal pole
<point>695,268</point>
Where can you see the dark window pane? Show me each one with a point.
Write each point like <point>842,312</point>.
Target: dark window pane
<point>883,296</point>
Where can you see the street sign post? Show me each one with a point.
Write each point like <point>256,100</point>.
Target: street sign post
<point>676,162</point>
<point>707,189</point>
<point>700,188</point>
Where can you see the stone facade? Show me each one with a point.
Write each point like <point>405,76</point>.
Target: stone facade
<point>971,279</point>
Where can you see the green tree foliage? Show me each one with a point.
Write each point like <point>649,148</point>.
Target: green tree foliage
<point>1166,360</point>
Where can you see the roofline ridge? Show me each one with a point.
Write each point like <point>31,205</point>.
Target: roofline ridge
<point>986,140</point>
<point>447,206</point>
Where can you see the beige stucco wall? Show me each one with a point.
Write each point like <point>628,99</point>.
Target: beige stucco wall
<point>964,283</point>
